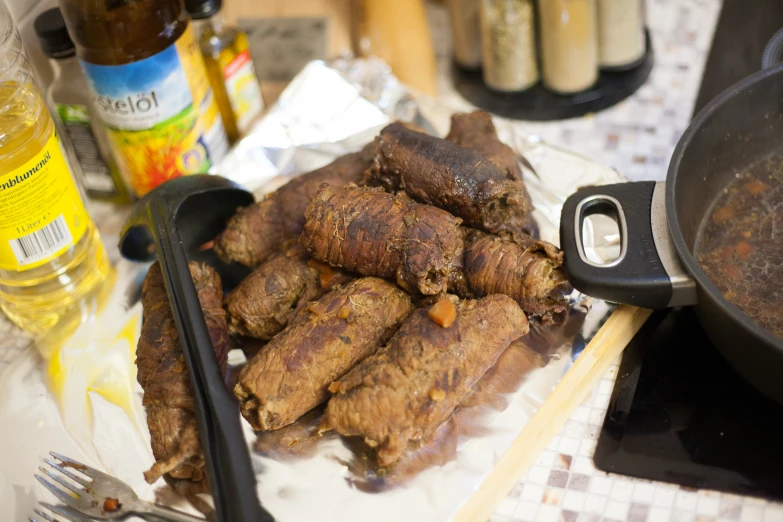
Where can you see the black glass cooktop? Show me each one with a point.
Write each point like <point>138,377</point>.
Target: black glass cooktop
<point>679,413</point>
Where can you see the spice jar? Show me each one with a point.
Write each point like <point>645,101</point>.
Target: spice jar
<point>620,32</point>
<point>569,44</point>
<point>466,32</point>
<point>508,44</point>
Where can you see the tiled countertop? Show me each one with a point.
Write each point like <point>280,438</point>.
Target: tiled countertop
<point>638,135</point>
<point>637,138</point>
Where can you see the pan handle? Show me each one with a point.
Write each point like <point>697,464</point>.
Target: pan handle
<point>648,272</point>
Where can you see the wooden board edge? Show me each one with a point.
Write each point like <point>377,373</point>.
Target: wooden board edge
<point>607,344</point>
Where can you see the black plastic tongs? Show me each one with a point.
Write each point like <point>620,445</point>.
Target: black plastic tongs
<point>177,217</point>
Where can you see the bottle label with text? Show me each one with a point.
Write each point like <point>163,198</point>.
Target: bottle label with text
<point>243,90</point>
<point>41,211</point>
<point>161,114</point>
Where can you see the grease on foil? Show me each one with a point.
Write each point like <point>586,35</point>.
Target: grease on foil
<point>327,479</point>
<point>78,395</point>
<point>94,353</point>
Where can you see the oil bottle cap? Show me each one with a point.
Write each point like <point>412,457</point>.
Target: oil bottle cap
<point>200,9</point>
<point>54,38</point>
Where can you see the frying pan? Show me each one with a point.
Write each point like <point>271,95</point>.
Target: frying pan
<point>659,224</point>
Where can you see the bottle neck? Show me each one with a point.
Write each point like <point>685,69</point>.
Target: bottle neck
<point>212,26</point>
<point>65,67</point>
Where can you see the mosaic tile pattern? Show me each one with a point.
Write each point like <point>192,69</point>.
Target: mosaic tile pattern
<point>564,486</point>
<point>13,342</point>
<point>636,137</point>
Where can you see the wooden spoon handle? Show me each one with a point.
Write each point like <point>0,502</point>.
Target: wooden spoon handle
<point>587,370</point>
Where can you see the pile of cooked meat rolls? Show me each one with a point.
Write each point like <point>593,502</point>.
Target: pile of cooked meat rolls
<point>384,284</point>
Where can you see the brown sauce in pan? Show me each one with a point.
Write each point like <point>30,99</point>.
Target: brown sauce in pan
<point>741,244</point>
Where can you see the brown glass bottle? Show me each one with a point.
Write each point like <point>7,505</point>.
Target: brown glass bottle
<point>145,69</point>
<point>116,32</point>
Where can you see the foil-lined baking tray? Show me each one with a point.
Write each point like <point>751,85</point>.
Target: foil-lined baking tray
<point>79,396</point>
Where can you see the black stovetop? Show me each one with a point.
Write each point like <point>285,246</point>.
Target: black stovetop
<point>679,413</point>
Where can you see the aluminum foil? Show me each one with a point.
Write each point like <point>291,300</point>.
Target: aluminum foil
<point>320,482</point>
<point>81,398</point>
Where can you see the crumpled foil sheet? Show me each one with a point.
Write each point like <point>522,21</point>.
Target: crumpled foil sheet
<point>83,400</point>
<point>320,484</point>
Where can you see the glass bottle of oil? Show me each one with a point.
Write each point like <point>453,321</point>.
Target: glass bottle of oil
<point>51,256</point>
<point>70,97</point>
<point>144,67</point>
<point>230,68</point>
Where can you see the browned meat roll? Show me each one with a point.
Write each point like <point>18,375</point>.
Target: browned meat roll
<point>263,303</point>
<point>412,385</point>
<point>528,270</point>
<point>163,374</point>
<point>292,373</point>
<point>256,232</point>
<point>370,232</point>
<point>476,131</point>
<point>441,173</point>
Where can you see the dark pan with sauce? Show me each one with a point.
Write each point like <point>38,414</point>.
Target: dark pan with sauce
<point>711,236</point>
<point>740,246</point>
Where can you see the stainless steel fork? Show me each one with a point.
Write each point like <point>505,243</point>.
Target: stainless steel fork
<point>100,496</point>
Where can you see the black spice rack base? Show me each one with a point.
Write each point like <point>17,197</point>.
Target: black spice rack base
<point>539,104</point>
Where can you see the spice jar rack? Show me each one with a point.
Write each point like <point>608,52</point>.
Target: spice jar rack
<point>549,59</point>
<point>539,104</point>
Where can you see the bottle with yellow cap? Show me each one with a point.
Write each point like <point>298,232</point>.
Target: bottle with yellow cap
<point>51,256</point>
<point>226,52</point>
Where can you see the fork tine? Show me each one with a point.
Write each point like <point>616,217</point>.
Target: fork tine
<point>78,466</point>
<point>67,473</point>
<point>43,514</point>
<point>62,495</point>
<point>69,514</point>
<point>61,481</point>
<point>66,512</point>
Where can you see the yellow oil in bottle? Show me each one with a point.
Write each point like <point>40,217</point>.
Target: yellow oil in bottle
<point>215,66</point>
<point>51,255</point>
<point>226,52</point>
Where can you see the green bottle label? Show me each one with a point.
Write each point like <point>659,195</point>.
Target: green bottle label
<point>97,176</point>
<point>70,113</point>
